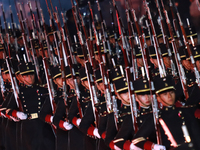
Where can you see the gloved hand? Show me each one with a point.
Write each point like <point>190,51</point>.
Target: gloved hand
<point>159,147</point>
<point>21,115</point>
<point>67,125</point>
<point>51,119</point>
<point>133,147</point>
<point>14,119</point>
<point>96,133</point>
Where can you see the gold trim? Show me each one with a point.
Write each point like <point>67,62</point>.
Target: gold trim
<point>5,71</point>
<point>118,140</point>
<point>140,91</point>
<point>56,75</point>
<point>135,141</point>
<point>152,55</point>
<point>164,54</point>
<point>125,88</point>
<point>159,35</point>
<point>138,54</point>
<point>17,72</point>
<point>164,89</point>
<point>192,35</point>
<point>196,56</point>
<point>117,78</point>
<point>80,55</point>
<point>68,75</point>
<point>99,80</point>
<point>84,78</point>
<point>183,56</point>
<point>27,71</point>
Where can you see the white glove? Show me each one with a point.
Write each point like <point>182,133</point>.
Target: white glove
<point>67,125</point>
<point>51,119</point>
<point>3,115</point>
<point>96,133</point>
<point>133,147</point>
<point>21,115</point>
<point>78,121</point>
<point>117,148</point>
<point>14,119</point>
<point>159,147</point>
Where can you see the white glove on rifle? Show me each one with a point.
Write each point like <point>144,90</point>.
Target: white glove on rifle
<point>159,147</point>
<point>21,115</point>
<point>133,147</point>
<point>67,125</point>
<point>96,133</point>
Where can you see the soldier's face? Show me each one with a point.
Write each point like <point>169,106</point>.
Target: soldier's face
<point>6,77</point>
<point>70,82</point>
<point>167,62</point>
<point>143,100</point>
<point>198,65</point>
<point>29,79</point>
<point>187,64</point>
<point>100,86</point>
<point>124,97</point>
<point>140,62</point>
<point>167,98</point>
<point>58,82</point>
<point>85,84</point>
<point>154,61</point>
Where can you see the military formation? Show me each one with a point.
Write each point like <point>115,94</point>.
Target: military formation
<point>82,84</point>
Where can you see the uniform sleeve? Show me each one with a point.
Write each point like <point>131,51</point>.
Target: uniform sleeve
<point>87,121</point>
<point>46,111</point>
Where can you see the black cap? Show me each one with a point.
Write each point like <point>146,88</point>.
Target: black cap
<point>152,52</point>
<point>98,76</point>
<point>191,32</point>
<point>82,74</point>
<point>44,43</point>
<point>1,47</point>
<point>163,48</point>
<point>138,53</point>
<point>26,68</point>
<point>183,52</point>
<point>5,68</point>
<point>95,48</point>
<point>141,86</point>
<point>196,52</point>
<point>164,84</point>
<point>35,43</point>
<point>121,85</point>
<point>55,72</point>
<point>79,51</point>
<point>116,73</point>
<point>68,73</point>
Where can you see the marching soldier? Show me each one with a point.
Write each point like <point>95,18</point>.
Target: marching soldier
<point>35,134</point>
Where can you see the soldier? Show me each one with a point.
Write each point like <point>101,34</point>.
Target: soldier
<point>181,123</point>
<point>58,118</point>
<point>35,134</point>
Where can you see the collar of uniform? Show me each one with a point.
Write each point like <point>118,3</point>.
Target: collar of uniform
<point>167,108</point>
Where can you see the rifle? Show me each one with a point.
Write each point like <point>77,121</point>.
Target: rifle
<point>69,61</point>
<point>111,59</point>
<point>156,45</point>
<point>165,39</point>
<point>87,64</point>
<point>133,105</point>
<point>131,42</point>
<point>47,73</point>
<point>13,29</point>
<point>13,79</point>
<point>148,75</point>
<point>101,65</point>
<point>177,56</point>
<point>196,72</point>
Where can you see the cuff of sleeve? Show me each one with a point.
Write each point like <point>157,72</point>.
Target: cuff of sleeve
<point>90,130</point>
<point>48,118</point>
<point>148,145</point>
<point>74,121</point>
<point>7,116</point>
<point>61,124</point>
<point>111,145</point>
<point>197,113</point>
<point>127,145</point>
<point>103,135</point>
<point>14,113</point>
